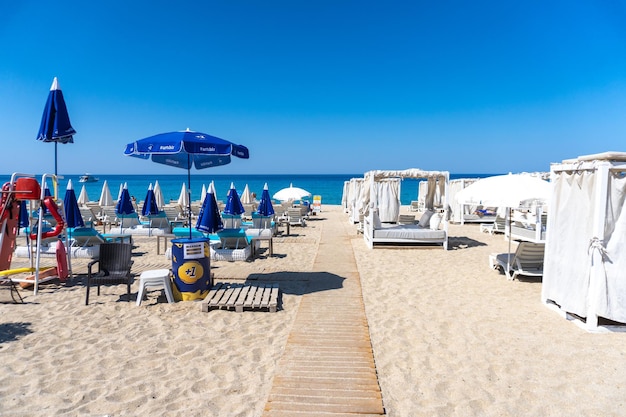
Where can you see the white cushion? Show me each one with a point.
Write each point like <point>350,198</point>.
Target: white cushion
<point>425,219</point>
<point>376,220</point>
<point>435,221</point>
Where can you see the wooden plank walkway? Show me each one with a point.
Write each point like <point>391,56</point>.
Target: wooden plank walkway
<point>240,297</point>
<point>328,366</point>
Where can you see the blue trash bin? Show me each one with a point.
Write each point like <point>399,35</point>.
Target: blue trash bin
<point>191,268</point>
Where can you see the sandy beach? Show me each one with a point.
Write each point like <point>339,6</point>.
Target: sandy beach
<point>450,337</point>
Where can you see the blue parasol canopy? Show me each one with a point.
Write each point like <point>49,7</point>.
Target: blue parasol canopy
<point>55,122</point>
<point>186,149</point>
<point>265,206</point>
<point>72,212</point>
<point>209,220</point>
<point>150,207</point>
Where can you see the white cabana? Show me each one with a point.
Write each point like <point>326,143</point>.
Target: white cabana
<point>353,199</point>
<point>384,193</point>
<point>585,255</point>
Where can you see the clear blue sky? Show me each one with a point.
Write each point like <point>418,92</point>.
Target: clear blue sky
<point>318,87</point>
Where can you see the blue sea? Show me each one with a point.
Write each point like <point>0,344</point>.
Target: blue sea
<point>330,187</point>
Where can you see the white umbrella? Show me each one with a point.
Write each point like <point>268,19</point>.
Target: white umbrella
<point>119,194</point>
<point>203,193</point>
<point>510,191</point>
<point>83,198</point>
<point>291,193</point>
<point>246,198</point>
<point>158,195</point>
<point>106,199</point>
<point>505,191</point>
<point>183,198</point>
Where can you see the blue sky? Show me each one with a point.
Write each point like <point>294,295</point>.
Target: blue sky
<point>318,87</point>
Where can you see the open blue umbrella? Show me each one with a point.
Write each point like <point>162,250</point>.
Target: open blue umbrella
<point>186,149</point>
<point>55,122</point>
<point>265,206</point>
<point>72,212</point>
<point>150,207</point>
<point>209,220</point>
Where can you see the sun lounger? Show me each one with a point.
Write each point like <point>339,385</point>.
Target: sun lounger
<point>295,217</point>
<point>527,260</point>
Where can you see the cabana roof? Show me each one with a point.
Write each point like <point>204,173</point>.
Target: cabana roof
<point>407,173</point>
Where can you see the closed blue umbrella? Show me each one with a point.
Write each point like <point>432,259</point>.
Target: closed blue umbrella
<point>46,193</point>
<point>209,219</point>
<point>124,206</point>
<point>24,217</point>
<point>186,149</point>
<point>265,206</point>
<point>233,203</point>
<point>55,122</point>
<point>72,212</point>
<point>150,207</point>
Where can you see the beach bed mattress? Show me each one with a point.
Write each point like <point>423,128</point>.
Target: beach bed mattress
<point>408,232</point>
<point>89,252</point>
<point>139,231</point>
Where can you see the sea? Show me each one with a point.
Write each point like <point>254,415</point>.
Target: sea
<point>329,186</point>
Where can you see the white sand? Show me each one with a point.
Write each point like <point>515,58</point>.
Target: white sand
<point>451,338</point>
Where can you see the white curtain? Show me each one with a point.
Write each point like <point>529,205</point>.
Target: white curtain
<point>569,231</point>
<point>612,273</point>
<point>388,200</point>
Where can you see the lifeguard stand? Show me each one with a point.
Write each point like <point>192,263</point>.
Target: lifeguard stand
<point>24,187</point>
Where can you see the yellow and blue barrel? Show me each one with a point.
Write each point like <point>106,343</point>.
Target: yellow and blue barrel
<point>191,268</point>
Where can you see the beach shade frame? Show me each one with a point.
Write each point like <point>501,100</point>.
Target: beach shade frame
<point>55,121</point>
<point>265,205</point>
<point>184,150</point>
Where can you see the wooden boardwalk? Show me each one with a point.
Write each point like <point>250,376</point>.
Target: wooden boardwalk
<point>328,365</point>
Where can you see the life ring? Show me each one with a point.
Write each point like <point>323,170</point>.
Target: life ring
<point>54,210</point>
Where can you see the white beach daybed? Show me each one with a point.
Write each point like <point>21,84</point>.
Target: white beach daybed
<point>428,231</point>
<point>435,232</point>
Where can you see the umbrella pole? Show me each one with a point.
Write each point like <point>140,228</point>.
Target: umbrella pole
<point>508,259</point>
<point>55,158</point>
<point>189,193</point>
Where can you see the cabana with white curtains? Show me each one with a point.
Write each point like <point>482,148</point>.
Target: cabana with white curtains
<point>384,207</point>
<point>585,256</point>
